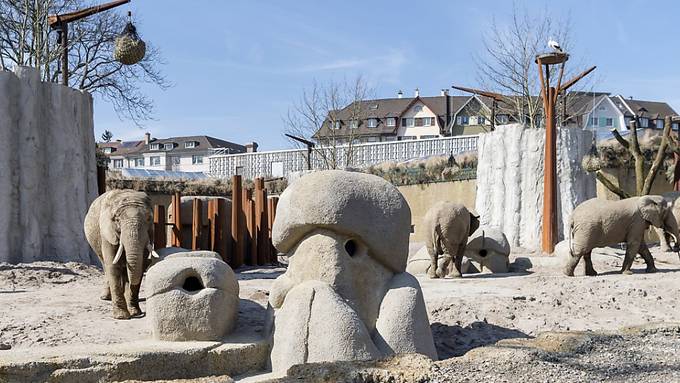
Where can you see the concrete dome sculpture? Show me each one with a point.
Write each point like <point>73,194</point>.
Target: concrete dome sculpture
<point>345,295</point>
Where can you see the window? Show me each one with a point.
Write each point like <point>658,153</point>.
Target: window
<point>354,124</point>
<point>418,108</point>
<point>138,162</point>
<point>196,160</point>
<point>389,138</point>
<point>108,150</point>
<point>391,121</point>
<point>593,121</point>
<point>481,120</point>
<point>428,136</point>
<point>190,144</point>
<point>409,122</point>
<point>462,120</point>
<point>644,122</point>
<point>337,125</point>
<point>418,121</point>
<point>117,164</point>
<point>374,106</point>
<point>609,122</point>
<point>372,139</point>
<point>659,124</point>
<point>675,126</point>
<point>155,146</point>
<point>372,122</point>
<point>155,161</point>
<point>426,121</point>
<point>168,146</point>
<point>502,118</point>
<point>405,138</point>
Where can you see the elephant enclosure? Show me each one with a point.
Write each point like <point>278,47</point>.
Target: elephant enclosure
<point>52,304</point>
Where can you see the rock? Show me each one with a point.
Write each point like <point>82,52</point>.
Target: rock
<point>489,247</point>
<point>5,346</point>
<point>191,296</point>
<point>345,295</point>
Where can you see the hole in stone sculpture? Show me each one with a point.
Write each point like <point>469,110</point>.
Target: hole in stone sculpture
<point>483,253</point>
<point>192,284</point>
<point>351,247</point>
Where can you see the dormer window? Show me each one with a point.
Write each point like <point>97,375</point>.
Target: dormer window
<point>372,122</point>
<point>168,146</point>
<point>108,150</point>
<point>190,144</point>
<point>155,147</point>
<point>644,122</point>
<point>391,121</point>
<point>354,124</point>
<point>336,125</point>
<point>374,106</point>
<point>659,124</point>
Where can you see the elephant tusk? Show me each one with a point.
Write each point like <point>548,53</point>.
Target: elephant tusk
<point>152,252</point>
<point>119,253</point>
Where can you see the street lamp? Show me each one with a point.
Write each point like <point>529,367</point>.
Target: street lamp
<point>549,95</point>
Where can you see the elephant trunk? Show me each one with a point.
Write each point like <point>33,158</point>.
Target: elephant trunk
<point>671,230</point>
<point>135,241</point>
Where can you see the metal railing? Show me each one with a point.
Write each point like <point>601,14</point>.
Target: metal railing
<point>280,163</point>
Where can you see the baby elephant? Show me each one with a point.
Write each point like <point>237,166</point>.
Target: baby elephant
<point>448,225</point>
<point>598,223</point>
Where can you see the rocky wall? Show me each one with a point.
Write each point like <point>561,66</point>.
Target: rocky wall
<point>510,180</point>
<point>47,169</point>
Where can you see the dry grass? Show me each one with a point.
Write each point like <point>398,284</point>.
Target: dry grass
<point>427,170</point>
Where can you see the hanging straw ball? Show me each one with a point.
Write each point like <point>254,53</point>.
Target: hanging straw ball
<point>129,49</point>
<point>591,163</point>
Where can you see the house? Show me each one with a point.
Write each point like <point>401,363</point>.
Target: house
<point>391,119</point>
<point>602,112</point>
<point>187,153</point>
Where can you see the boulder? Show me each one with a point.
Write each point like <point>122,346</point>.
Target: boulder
<point>191,296</point>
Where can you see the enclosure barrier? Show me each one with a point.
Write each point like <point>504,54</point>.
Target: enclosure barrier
<point>241,234</point>
<point>280,163</point>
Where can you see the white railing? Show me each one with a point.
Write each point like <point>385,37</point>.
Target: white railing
<point>280,163</point>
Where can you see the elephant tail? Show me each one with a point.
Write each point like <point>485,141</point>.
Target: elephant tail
<point>571,237</point>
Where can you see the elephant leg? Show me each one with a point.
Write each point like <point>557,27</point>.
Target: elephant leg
<point>446,263</point>
<point>572,262</point>
<point>631,250</point>
<point>590,270</point>
<point>133,299</point>
<point>457,257</point>
<point>106,291</point>
<point>647,256</point>
<point>115,275</point>
<point>662,240</point>
<point>434,262</point>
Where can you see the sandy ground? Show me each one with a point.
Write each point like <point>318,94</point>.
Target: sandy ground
<point>49,304</point>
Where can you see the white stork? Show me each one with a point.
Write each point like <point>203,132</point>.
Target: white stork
<point>555,45</point>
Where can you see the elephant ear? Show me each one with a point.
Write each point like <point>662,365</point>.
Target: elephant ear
<point>109,229</point>
<point>474,223</point>
<point>651,209</point>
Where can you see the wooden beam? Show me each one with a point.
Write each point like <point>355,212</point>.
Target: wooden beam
<point>493,95</point>
<point>568,84</point>
<point>55,21</point>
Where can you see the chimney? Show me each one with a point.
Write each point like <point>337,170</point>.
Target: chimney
<point>447,102</point>
<point>251,147</point>
<point>445,92</point>
<point>400,94</point>
<point>147,138</point>
<point>417,93</point>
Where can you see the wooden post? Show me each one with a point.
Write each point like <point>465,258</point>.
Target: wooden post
<point>223,236</point>
<point>252,230</point>
<point>273,202</point>
<point>176,237</point>
<point>213,225</point>
<point>549,176</point>
<point>63,36</point>
<point>196,225</point>
<point>101,179</point>
<point>159,240</point>
<point>237,217</point>
<point>261,221</point>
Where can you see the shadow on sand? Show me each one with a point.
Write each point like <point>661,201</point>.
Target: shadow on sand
<point>454,340</point>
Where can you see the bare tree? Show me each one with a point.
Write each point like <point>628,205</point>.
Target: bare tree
<point>507,62</point>
<point>330,115</point>
<point>26,39</point>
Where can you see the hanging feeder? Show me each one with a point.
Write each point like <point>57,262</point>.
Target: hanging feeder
<point>129,49</point>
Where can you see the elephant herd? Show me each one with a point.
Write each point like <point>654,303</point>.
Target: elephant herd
<point>119,228</point>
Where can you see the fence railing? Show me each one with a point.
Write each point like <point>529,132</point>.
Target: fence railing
<point>280,163</point>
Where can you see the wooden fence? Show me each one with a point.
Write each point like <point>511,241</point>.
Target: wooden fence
<point>242,234</point>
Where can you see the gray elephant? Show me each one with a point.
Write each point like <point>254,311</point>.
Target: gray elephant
<point>119,228</point>
<point>448,225</point>
<point>598,223</point>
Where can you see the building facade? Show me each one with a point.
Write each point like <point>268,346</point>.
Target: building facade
<point>184,154</point>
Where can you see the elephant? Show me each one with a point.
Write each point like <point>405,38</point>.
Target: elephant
<point>598,222</point>
<point>672,198</point>
<point>119,228</point>
<point>448,226</point>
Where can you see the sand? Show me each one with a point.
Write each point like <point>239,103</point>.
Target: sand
<point>50,304</point>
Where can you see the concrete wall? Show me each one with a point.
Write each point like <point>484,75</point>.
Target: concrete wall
<point>421,197</point>
<point>47,169</point>
<point>510,180</point>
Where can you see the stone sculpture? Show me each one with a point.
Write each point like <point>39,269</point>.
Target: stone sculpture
<point>448,225</point>
<point>191,295</point>
<point>118,226</point>
<point>598,223</point>
<point>489,247</point>
<point>345,295</point>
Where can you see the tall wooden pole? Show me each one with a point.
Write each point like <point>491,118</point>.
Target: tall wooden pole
<point>63,35</point>
<point>237,219</point>
<point>176,233</point>
<point>549,174</point>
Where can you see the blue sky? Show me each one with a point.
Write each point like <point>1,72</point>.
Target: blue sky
<point>238,66</point>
